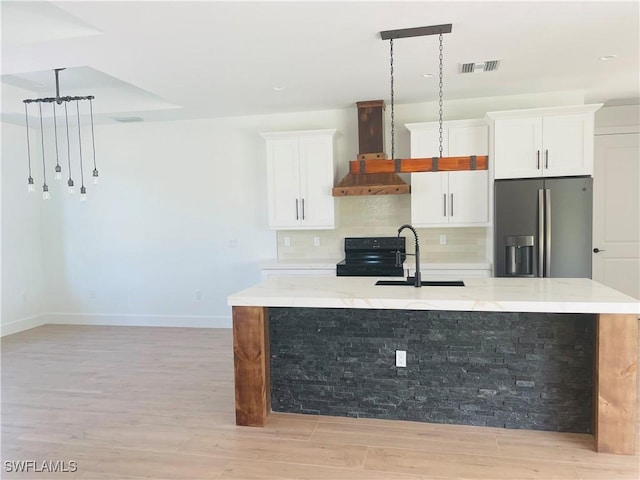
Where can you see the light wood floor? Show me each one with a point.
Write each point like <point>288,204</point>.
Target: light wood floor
<point>131,402</point>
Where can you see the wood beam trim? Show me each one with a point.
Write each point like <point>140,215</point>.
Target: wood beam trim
<point>615,383</point>
<point>251,361</point>
<point>413,165</point>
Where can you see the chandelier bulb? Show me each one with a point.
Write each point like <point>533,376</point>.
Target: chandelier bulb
<point>70,185</point>
<point>58,175</point>
<point>45,192</point>
<point>83,194</point>
<point>31,186</point>
<point>96,178</point>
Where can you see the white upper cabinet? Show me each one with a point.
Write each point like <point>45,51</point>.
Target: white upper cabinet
<point>300,176</point>
<point>459,138</point>
<point>425,140</point>
<point>545,142</point>
<point>451,199</point>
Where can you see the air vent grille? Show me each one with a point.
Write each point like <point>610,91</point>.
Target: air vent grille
<point>467,67</point>
<point>486,66</point>
<point>491,65</point>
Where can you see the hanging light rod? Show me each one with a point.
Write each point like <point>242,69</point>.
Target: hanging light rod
<point>416,31</point>
<point>58,99</point>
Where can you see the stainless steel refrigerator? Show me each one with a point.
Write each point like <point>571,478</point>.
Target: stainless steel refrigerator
<point>543,227</point>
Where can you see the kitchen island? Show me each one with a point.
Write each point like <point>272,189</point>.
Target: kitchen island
<point>614,317</point>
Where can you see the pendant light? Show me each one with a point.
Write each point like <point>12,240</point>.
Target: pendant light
<point>70,181</point>
<point>45,187</point>
<point>58,175</point>
<point>57,101</point>
<point>433,164</point>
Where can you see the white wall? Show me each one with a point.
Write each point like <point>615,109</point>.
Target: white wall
<point>174,198</point>
<point>22,266</point>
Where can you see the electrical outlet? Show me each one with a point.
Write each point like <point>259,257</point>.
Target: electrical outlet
<point>401,358</point>
<point>316,241</point>
<point>92,294</point>
<point>198,295</point>
<point>443,239</point>
<point>287,241</point>
<point>233,243</point>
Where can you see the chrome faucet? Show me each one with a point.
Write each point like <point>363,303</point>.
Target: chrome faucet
<point>417,279</point>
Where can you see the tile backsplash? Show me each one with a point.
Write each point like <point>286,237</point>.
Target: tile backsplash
<point>381,215</point>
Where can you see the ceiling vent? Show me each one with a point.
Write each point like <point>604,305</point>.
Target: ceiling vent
<point>488,66</point>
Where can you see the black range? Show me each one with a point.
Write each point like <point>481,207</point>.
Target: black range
<point>372,257</point>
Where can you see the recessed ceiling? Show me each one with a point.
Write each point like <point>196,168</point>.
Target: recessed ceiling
<point>181,60</point>
<point>114,97</point>
<point>25,23</point>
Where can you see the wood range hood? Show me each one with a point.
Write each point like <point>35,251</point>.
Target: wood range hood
<point>373,174</point>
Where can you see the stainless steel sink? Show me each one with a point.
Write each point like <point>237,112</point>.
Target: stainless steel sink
<point>425,283</point>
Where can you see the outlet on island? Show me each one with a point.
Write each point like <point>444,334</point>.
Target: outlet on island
<point>401,358</point>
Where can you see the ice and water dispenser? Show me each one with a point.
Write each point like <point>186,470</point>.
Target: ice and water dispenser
<point>519,255</point>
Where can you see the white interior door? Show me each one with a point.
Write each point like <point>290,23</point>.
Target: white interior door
<point>616,212</point>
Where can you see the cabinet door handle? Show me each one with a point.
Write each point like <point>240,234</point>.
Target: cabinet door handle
<point>297,216</point>
<point>452,204</point>
<point>303,208</point>
<point>444,204</point>
<point>546,159</point>
<point>538,157</point>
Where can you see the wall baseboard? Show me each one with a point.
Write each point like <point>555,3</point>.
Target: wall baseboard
<point>187,321</point>
<point>141,320</point>
<point>22,324</point>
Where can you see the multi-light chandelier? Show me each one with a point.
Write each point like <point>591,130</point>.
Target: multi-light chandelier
<point>59,101</point>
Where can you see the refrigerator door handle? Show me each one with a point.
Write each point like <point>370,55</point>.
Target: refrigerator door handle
<point>540,233</point>
<point>547,228</point>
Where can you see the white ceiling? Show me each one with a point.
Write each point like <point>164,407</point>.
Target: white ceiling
<point>178,60</point>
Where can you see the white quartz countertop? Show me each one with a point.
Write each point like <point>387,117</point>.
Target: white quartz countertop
<point>554,295</point>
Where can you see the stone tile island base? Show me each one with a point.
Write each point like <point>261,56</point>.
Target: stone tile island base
<point>515,370</point>
<point>564,372</point>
